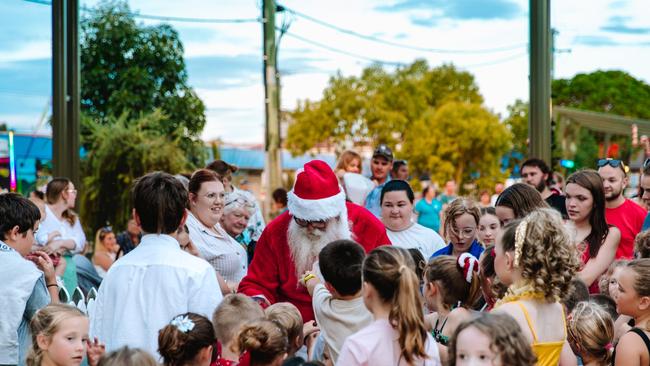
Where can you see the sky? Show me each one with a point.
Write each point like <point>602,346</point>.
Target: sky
<point>488,38</point>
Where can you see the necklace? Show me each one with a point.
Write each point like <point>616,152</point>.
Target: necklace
<point>525,292</point>
<point>437,333</point>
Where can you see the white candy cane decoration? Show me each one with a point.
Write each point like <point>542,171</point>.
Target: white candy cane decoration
<point>469,264</point>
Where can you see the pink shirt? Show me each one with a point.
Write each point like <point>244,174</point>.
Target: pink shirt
<point>628,218</point>
<point>378,345</point>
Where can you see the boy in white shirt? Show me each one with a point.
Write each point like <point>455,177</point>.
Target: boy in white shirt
<point>338,304</point>
<point>146,289</point>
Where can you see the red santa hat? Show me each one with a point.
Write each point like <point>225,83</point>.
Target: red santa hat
<point>316,194</point>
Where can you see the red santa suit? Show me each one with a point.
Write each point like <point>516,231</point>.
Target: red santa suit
<point>316,196</point>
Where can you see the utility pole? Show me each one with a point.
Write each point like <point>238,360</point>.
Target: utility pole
<point>539,116</point>
<point>65,89</point>
<point>272,136</point>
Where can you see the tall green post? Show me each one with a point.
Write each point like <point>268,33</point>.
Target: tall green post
<point>272,130</point>
<point>539,116</point>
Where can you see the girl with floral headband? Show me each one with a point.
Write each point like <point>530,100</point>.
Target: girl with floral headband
<point>536,260</point>
<point>187,340</point>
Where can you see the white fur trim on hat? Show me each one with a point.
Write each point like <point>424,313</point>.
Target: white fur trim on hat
<point>315,210</point>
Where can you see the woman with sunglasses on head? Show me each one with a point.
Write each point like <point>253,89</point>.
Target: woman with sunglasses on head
<point>237,211</point>
<point>60,232</point>
<point>597,241</point>
<point>206,204</point>
<point>106,250</point>
<point>621,212</point>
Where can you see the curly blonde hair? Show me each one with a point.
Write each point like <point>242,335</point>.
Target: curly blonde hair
<point>590,329</point>
<point>507,340</point>
<point>548,259</point>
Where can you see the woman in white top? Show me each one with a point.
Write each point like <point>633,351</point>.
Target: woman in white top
<point>61,229</point>
<point>206,202</point>
<point>106,249</point>
<point>397,215</point>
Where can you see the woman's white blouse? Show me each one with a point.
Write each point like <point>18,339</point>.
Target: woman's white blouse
<point>225,254</point>
<point>51,224</point>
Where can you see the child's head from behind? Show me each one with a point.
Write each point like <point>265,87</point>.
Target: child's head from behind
<point>590,332</point>
<point>188,338</point>
<point>288,316</point>
<point>159,202</point>
<point>266,341</point>
<point>389,281</point>
<point>340,264</point>
<point>491,288</point>
<point>19,219</point>
<point>488,226</point>
<point>577,293</point>
<point>59,335</point>
<point>126,356</point>
<point>633,296</point>
<point>538,252</point>
<point>490,339</point>
<point>642,244</point>
<point>234,311</point>
<point>605,302</point>
<point>449,282</point>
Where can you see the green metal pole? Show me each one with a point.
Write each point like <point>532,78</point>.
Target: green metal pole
<point>73,75</point>
<point>539,120</point>
<point>59,96</point>
<point>274,167</point>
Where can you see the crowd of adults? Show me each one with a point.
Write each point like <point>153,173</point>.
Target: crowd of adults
<point>352,270</point>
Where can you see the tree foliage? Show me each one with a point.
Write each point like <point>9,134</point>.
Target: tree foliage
<point>615,92</point>
<point>433,116</point>
<point>130,68</point>
<point>120,151</point>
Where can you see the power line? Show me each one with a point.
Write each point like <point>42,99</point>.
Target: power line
<point>496,62</point>
<point>343,52</point>
<point>401,45</point>
<point>166,18</point>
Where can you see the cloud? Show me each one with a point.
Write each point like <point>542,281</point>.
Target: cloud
<point>22,22</point>
<point>618,24</point>
<point>595,41</point>
<point>457,10</point>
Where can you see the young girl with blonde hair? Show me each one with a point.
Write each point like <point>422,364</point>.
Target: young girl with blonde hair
<point>398,335</point>
<point>60,338</point>
<point>633,299</point>
<point>349,162</point>
<point>106,250</point>
<point>535,258</point>
<point>590,333</point>
<point>490,339</point>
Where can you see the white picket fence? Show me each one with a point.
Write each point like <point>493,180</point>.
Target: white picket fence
<point>78,299</point>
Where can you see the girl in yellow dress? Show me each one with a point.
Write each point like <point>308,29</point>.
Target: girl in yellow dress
<point>535,258</point>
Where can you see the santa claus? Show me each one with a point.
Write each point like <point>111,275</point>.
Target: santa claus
<point>317,215</point>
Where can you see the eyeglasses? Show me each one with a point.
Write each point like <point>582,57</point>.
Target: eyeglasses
<point>614,163</point>
<point>467,232</point>
<point>106,229</point>
<point>72,191</point>
<point>243,202</point>
<point>320,224</point>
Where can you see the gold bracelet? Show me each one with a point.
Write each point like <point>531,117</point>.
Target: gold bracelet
<point>308,277</point>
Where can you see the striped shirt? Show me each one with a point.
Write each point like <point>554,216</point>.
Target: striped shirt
<point>224,253</point>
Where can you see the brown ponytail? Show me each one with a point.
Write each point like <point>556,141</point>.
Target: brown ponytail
<point>450,275</point>
<point>390,270</point>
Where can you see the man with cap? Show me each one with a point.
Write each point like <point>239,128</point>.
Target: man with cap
<point>317,215</point>
<point>380,166</point>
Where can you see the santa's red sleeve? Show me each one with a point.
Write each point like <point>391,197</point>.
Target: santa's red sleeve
<point>367,230</point>
<point>262,279</point>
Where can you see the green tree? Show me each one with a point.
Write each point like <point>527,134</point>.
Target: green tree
<point>378,106</point>
<point>120,151</point>
<point>458,140</point>
<point>130,68</point>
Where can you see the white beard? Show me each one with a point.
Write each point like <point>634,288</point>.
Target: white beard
<point>306,247</point>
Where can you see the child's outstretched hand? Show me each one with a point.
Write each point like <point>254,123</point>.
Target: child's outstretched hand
<point>95,351</point>
<point>309,279</point>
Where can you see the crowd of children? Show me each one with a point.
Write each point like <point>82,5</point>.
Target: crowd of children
<point>511,287</point>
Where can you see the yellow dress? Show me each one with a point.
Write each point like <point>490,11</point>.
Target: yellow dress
<point>548,353</point>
